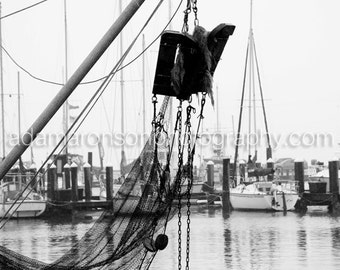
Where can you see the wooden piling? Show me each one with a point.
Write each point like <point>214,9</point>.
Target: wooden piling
<point>67,172</point>
<point>51,182</point>
<point>333,168</point>
<point>88,181</point>
<point>210,174</point>
<point>89,159</point>
<point>74,180</point>
<point>299,175</point>
<point>226,187</point>
<point>109,183</point>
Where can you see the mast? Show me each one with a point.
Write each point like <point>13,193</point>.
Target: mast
<point>66,105</point>
<point>19,109</point>
<point>2,95</point>
<point>143,86</point>
<point>69,86</point>
<point>121,84</point>
<point>251,54</point>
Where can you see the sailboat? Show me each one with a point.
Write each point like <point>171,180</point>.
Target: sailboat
<point>256,189</point>
<point>15,200</point>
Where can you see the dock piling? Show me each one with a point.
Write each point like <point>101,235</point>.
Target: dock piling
<point>333,168</point>
<point>109,183</point>
<point>67,171</point>
<point>74,180</point>
<point>51,182</point>
<point>299,175</point>
<point>87,178</point>
<point>210,174</point>
<point>226,187</point>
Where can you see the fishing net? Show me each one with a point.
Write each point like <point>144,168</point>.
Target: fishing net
<point>140,210</point>
<point>129,236</point>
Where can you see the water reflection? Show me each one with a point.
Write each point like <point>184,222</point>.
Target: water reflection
<point>245,240</point>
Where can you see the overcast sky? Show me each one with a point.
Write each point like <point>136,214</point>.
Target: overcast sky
<point>297,45</point>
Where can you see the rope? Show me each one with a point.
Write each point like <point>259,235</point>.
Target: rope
<point>102,78</point>
<point>23,9</point>
<point>93,99</point>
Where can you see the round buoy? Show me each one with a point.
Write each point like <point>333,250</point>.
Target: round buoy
<point>161,241</point>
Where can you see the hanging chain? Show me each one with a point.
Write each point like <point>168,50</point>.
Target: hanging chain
<point>185,27</point>
<point>190,180</point>
<point>154,123</point>
<point>194,8</point>
<point>179,180</point>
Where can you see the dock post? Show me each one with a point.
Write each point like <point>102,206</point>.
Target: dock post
<point>333,167</point>
<point>210,174</point>
<point>109,183</point>
<point>226,187</point>
<point>67,171</point>
<point>299,175</point>
<point>74,180</point>
<point>89,159</point>
<point>87,178</point>
<point>270,165</point>
<point>51,182</point>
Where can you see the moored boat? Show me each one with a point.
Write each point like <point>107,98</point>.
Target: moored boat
<point>265,195</point>
<point>20,205</point>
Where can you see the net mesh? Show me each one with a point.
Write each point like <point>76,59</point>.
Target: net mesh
<point>140,208</point>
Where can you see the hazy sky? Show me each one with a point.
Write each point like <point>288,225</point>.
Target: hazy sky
<point>297,45</point>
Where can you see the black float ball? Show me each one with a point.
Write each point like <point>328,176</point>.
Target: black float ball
<point>161,241</point>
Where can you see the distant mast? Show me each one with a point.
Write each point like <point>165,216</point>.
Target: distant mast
<point>251,67</point>
<point>2,97</point>
<point>66,104</point>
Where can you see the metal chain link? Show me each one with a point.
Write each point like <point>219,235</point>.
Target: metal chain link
<point>194,8</point>
<point>190,181</point>
<point>179,180</point>
<point>185,27</point>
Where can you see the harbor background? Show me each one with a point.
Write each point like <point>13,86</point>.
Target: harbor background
<point>245,240</point>
<point>295,42</point>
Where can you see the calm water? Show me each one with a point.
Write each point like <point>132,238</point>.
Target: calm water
<point>245,240</point>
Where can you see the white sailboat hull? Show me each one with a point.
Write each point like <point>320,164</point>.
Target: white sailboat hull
<point>250,201</point>
<point>262,201</point>
<point>27,209</point>
<point>264,196</point>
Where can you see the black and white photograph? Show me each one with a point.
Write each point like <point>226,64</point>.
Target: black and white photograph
<point>169,134</point>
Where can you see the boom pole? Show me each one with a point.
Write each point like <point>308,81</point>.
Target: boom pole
<point>69,87</point>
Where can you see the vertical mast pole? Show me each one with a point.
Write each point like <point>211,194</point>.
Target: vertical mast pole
<point>2,95</point>
<point>19,108</point>
<point>143,86</point>
<point>66,105</point>
<point>121,78</point>
<point>69,86</point>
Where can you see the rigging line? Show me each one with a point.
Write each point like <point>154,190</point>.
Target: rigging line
<point>147,47</point>
<point>253,86</point>
<point>93,99</point>
<point>23,9</point>
<point>240,116</point>
<point>102,78</point>
<point>261,92</point>
<point>67,139</point>
<point>40,79</point>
